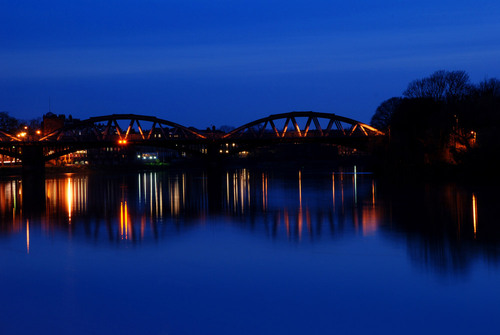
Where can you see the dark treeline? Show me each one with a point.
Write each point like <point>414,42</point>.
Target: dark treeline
<point>11,125</point>
<point>441,123</point>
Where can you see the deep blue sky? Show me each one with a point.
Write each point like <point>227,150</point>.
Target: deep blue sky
<point>228,62</point>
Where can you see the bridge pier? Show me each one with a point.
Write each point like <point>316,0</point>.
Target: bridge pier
<point>33,160</point>
<point>213,154</point>
<point>33,179</point>
<point>33,195</point>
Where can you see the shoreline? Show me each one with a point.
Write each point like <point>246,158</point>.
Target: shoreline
<point>17,171</point>
<point>434,174</point>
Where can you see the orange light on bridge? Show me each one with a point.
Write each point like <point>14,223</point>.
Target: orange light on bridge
<point>122,142</point>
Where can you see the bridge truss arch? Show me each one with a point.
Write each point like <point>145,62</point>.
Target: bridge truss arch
<point>124,127</point>
<point>304,124</point>
<point>119,129</point>
<point>300,128</point>
<point>8,145</point>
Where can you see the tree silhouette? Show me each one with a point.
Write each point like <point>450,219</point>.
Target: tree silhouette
<point>8,123</point>
<point>489,87</point>
<point>443,120</point>
<point>441,86</point>
<point>420,130</point>
<point>383,115</point>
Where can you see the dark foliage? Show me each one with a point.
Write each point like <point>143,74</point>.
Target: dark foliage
<point>441,85</point>
<point>444,120</point>
<point>8,123</point>
<point>383,115</point>
<point>420,130</point>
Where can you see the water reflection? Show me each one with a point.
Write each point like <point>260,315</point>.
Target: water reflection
<point>437,224</point>
<point>474,213</point>
<point>440,225</point>
<point>294,204</point>
<point>10,206</point>
<point>27,236</point>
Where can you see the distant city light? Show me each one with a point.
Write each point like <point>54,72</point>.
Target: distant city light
<point>147,156</point>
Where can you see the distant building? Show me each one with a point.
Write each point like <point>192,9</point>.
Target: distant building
<point>52,122</point>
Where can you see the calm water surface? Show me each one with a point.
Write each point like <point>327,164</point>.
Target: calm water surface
<point>247,252</point>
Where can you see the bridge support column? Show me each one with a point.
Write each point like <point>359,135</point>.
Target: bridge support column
<point>33,179</point>
<point>213,154</point>
<point>33,160</point>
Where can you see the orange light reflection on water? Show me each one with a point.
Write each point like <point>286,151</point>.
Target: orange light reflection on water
<point>27,236</point>
<point>69,197</point>
<point>373,193</point>
<point>369,220</point>
<point>264,192</point>
<point>474,213</point>
<point>124,222</point>
<point>300,189</point>
<point>300,223</point>
<point>333,190</point>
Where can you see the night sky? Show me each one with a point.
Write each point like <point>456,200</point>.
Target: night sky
<point>228,62</point>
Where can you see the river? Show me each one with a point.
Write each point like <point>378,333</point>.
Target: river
<point>247,251</point>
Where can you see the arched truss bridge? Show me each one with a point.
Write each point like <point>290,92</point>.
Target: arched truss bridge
<point>140,130</point>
